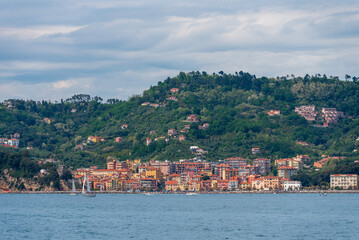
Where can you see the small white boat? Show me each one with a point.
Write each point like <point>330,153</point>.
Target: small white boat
<point>73,193</point>
<point>192,194</point>
<point>148,194</point>
<point>87,192</point>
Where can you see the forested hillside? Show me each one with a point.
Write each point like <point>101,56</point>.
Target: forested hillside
<point>232,119</point>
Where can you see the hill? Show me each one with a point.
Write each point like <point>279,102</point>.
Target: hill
<point>226,115</point>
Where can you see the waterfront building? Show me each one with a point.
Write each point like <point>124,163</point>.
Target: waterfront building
<point>171,186</point>
<point>267,183</point>
<point>344,181</point>
<point>291,185</point>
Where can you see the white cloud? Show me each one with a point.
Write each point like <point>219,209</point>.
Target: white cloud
<point>33,32</point>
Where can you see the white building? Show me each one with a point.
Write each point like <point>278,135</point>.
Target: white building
<point>13,142</point>
<point>291,185</point>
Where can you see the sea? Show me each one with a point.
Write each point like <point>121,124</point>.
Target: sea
<point>179,216</point>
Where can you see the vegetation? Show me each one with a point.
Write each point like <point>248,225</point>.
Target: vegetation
<point>234,106</point>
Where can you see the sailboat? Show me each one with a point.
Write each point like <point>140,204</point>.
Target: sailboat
<point>73,193</point>
<point>87,192</point>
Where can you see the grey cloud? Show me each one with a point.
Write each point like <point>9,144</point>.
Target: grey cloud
<point>130,45</point>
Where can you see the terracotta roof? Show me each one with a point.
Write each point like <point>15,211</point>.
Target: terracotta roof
<point>172,182</point>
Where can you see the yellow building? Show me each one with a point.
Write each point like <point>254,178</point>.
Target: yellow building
<point>344,181</point>
<point>81,172</point>
<point>267,183</point>
<point>133,164</point>
<point>154,173</point>
<point>228,173</point>
<point>109,185</point>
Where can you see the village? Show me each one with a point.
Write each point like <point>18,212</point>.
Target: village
<point>196,175</point>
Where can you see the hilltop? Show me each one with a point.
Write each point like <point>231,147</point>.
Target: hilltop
<point>225,115</point>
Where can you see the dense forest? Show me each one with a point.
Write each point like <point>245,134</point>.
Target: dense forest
<point>234,106</point>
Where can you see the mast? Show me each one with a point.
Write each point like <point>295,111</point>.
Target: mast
<point>73,186</point>
<point>88,184</point>
<point>83,186</point>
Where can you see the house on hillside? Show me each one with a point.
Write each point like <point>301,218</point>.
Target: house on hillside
<point>172,99</point>
<point>273,112</point>
<point>47,120</point>
<point>182,138</point>
<point>256,150</point>
<point>16,135</point>
<point>174,90</point>
<point>192,118</point>
<point>172,132</point>
<point>14,142</point>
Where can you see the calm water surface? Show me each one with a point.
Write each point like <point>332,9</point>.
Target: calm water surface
<point>165,216</point>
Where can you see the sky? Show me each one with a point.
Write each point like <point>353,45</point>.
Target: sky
<point>51,50</point>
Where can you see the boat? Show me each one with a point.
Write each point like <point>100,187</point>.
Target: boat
<point>73,193</point>
<point>87,192</point>
<point>148,194</point>
<point>323,194</point>
<point>192,194</point>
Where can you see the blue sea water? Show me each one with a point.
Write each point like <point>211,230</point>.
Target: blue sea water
<point>177,216</point>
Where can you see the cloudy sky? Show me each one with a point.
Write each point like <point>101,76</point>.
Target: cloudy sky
<point>111,48</point>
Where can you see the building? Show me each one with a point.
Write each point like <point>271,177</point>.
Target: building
<point>119,140</point>
<point>112,164</point>
<point>308,112</point>
<point>171,186</point>
<point>182,138</point>
<point>14,142</point>
<point>229,173</point>
<point>165,167</point>
<point>286,171</point>
<point>172,132</point>
<point>235,162</point>
<point>124,126</point>
<point>174,90</point>
<point>17,135</point>
<point>331,115</point>
<point>320,163</point>
<point>47,120</point>
<point>344,181</point>
<point>192,118</point>
<point>154,173</point>
<point>148,141</point>
<point>256,150</point>
<point>172,99</point>
<point>267,183</point>
<point>263,164</point>
<point>292,185</point>
<point>273,112</point>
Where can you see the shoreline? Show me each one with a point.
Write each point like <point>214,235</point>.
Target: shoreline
<point>229,192</point>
